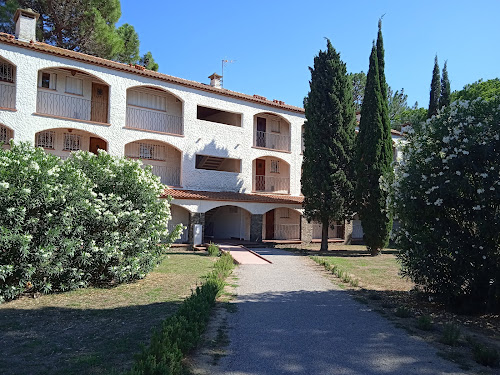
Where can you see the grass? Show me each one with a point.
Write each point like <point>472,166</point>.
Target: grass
<point>95,331</point>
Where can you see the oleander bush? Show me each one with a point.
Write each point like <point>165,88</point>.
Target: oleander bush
<point>88,220</point>
<point>447,201</point>
<point>181,332</point>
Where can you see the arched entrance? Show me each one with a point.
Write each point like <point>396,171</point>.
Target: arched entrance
<point>281,224</point>
<point>62,141</point>
<point>179,216</point>
<point>227,223</point>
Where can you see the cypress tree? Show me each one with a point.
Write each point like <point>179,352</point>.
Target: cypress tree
<point>329,133</point>
<point>435,90</point>
<point>374,157</point>
<point>444,98</point>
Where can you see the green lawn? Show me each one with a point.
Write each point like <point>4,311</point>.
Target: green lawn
<point>94,331</point>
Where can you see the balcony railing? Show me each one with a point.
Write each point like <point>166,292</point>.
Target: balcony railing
<point>7,95</point>
<point>169,175</point>
<point>272,184</point>
<point>184,234</point>
<point>272,140</point>
<point>69,106</point>
<point>287,231</point>
<point>153,120</point>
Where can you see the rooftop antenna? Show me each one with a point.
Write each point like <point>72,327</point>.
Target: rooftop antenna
<point>224,62</point>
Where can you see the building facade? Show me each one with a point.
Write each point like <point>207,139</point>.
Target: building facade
<point>231,161</point>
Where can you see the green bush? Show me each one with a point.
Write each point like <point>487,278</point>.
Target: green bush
<point>213,250</point>
<point>485,356</point>
<point>402,312</point>
<point>450,176</point>
<point>70,224</point>
<point>424,323</point>
<point>451,334</point>
<point>181,332</point>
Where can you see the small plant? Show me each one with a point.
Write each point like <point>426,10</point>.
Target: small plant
<point>402,312</point>
<point>213,250</point>
<point>451,334</point>
<point>424,323</point>
<point>485,356</point>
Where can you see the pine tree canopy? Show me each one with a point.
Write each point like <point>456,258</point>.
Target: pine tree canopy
<point>374,156</point>
<point>435,90</point>
<point>444,98</point>
<point>329,132</point>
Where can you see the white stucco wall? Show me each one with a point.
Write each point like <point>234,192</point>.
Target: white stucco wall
<point>201,137</point>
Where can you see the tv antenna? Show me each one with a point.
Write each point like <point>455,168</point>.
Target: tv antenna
<point>224,62</point>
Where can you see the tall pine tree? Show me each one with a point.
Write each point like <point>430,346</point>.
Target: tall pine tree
<point>435,90</point>
<point>444,98</point>
<point>329,132</point>
<point>374,158</point>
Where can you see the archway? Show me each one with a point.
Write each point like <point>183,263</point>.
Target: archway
<point>271,175</point>
<point>6,134</point>
<point>281,224</point>
<point>7,84</point>
<point>180,215</point>
<point>271,131</point>
<point>227,222</point>
<point>62,141</point>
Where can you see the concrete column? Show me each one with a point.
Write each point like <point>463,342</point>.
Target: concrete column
<point>195,218</point>
<point>256,227</point>
<point>306,231</point>
<point>348,224</point>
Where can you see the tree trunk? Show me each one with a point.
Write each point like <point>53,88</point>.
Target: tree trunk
<point>324,236</point>
<point>375,251</point>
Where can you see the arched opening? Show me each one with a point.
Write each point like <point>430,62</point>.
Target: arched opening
<point>7,84</point>
<point>6,134</point>
<point>179,216</point>
<point>62,141</point>
<point>271,175</point>
<point>164,158</point>
<point>154,109</point>
<point>272,132</point>
<point>73,94</point>
<point>281,224</point>
<point>227,222</point>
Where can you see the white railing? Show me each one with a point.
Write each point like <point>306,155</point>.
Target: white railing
<point>184,234</point>
<point>272,184</point>
<point>169,175</point>
<point>70,106</point>
<point>7,95</point>
<point>272,141</point>
<point>287,231</point>
<point>154,120</point>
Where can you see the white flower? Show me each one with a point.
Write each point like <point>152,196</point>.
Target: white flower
<point>480,191</point>
<point>484,175</point>
<point>446,139</point>
<point>438,202</point>
<point>484,257</point>
<point>476,208</point>
<point>458,173</point>
<point>4,185</point>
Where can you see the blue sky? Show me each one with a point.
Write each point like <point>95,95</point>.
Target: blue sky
<point>274,42</point>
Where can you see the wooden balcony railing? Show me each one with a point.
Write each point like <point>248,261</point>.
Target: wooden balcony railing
<point>169,175</point>
<point>272,184</point>
<point>7,95</point>
<point>70,106</point>
<point>154,120</point>
<point>272,141</point>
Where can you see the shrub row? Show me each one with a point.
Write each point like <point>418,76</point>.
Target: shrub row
<point>67,224</point>
<point>181,332</point>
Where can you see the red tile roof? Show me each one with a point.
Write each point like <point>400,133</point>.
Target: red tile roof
<point>140,70</point>
<point>232,196</point>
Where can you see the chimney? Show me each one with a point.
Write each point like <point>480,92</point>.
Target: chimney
<point>215,80</point>
<point>25,20</point>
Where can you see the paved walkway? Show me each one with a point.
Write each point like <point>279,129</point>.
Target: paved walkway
<point>293,320</point>
<point>242,255</point>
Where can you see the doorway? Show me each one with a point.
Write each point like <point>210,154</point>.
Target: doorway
<point>99,103</point>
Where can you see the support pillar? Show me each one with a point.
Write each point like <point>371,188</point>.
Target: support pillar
<point>306,231</point>
<point>195,218</point>
<point>256,227</point>
<point>348,225</point>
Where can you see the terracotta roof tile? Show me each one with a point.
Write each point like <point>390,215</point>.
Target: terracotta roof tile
<point>139,70</point>
<point>232,196</point>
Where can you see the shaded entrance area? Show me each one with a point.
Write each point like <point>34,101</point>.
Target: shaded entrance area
<point>281,224</point>
<point>227,223</point>
<point>179,216</point>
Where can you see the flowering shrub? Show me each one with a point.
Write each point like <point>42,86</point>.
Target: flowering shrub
<point>447,201</point>
<point>69,224</point>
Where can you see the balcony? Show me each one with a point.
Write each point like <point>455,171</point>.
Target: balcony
<point>69,106</point>
<point>169,175</point>
<point>7,95</point>
<point>272,141</point>
<point>272,184</point>
<point>271,175</point>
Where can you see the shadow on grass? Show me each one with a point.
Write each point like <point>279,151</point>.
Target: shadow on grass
<point>55,340</point>
<point>332,253</point>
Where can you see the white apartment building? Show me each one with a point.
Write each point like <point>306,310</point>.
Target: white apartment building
<point>231,161</point>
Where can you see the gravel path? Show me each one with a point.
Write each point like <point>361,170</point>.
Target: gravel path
<point>293,320</point>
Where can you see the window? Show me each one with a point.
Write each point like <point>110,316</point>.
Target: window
<point>219,116</point>
<point>73,86</point>
<point>45,139</point>
<point>151,151</point>
<point>47,80</point>
<point>71,142</point>
<point>5,134</point>
<point>275,166</point>
<point>6,72</point>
